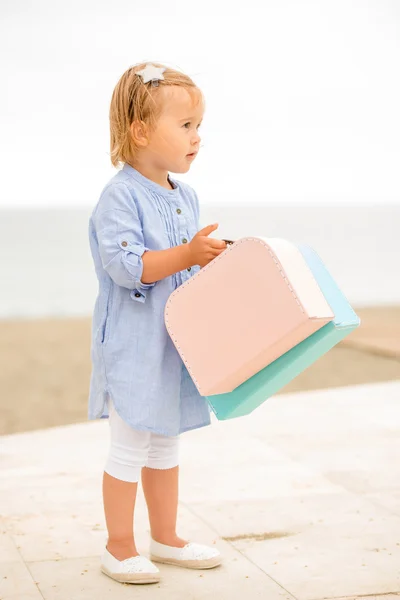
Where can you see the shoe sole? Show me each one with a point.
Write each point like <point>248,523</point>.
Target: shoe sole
<point>139,578</point>
<point>208,563</point>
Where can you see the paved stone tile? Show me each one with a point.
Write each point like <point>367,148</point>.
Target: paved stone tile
<point>81,578</point>
<point>16,582</point>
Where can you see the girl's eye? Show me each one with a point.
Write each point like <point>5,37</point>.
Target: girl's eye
<point>188,123</point>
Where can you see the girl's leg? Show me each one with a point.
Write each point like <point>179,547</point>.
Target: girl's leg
<point>128,453</point>
<point>119,503</point>
<point>160,480</point>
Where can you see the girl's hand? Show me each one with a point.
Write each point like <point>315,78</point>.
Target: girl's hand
<point>204,249</point>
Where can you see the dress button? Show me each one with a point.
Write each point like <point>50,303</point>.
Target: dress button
<point>178,210</point>
<point>124,244</point>
<point>189,268</point>
<point>137,295</point>
<point>184,241</point>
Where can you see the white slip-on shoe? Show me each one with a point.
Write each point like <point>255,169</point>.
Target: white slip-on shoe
<point>191,556</point>
<point>137,569</point>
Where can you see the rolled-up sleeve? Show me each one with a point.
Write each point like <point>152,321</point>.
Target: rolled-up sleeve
<point>120,238</point>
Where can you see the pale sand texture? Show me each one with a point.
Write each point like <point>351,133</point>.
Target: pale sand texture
<point>45,366</point>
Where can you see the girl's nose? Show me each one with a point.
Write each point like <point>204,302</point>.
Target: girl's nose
<point>197,138</point>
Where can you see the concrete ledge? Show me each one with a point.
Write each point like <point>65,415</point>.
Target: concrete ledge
<point>302,497</point>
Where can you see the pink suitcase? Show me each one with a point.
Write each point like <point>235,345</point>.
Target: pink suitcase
<point>242,311</point>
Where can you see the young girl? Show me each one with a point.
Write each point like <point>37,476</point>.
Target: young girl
<point>145,242</point>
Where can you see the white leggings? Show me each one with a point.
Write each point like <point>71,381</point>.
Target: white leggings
<point>130,450</point>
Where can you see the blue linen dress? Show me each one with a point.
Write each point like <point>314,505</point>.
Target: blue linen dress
<point>134,360</point>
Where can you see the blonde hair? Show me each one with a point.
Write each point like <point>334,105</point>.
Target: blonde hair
<point>133,100</point>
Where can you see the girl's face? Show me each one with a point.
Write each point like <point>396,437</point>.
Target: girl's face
<point>175,143</point>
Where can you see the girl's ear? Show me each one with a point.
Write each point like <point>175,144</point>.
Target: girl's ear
<point>139,132</point>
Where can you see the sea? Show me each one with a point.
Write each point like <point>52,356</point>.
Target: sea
<point>46,268</point>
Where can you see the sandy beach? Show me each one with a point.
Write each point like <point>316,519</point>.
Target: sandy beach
<point>46,366</point>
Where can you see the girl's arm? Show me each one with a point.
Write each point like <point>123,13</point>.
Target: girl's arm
<point>123,252</point>
<point>158,264</point>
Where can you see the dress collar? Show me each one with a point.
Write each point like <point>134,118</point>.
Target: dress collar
<point>152,185</point>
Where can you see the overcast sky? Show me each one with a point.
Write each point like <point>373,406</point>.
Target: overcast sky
<point>302,97</point>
